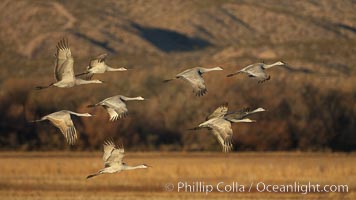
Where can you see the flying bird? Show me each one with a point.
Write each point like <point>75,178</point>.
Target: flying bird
<point>195,77</point>
<point>63,70</point>
<point>113,155</point>
<point>257,71</point>
<point>116,106</point>
<point>63,121</point>
<point>97,65</point>
<point>219,122</point>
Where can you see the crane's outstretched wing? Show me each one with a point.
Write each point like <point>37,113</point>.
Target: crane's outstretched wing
<point>113,154</point>
<point>223,132</point>
<point>224,140</point>
<point>64,62</point>
<point>116,114</point>
<point>65,124</point>
<point>257,71</point>
<point>116,107</point>
<point>97,60</point>
<point>218,112</point>
<point>196,80</point>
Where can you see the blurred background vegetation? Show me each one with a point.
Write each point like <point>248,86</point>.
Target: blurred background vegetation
<point>311,104</point>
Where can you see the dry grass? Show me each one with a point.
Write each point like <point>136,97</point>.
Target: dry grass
<point>62,175</point>
<point>311,105</point>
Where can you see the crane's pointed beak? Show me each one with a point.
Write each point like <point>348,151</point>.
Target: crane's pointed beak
<point>148,166</point>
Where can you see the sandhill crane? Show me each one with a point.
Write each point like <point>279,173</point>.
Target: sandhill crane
<point>195,78</point>
<point>63,71</point>
<point>116,106</point>
<point>63,121</point>
<point>113,155</point>
<point>97,65</point>
<point>257,71</point>
<point>219,122</point>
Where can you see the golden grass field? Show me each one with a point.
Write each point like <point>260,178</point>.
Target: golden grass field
<point>61,175</point>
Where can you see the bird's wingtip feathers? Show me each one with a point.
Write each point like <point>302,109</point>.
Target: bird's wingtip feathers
<point>201,92</point>
<point>225,104</point>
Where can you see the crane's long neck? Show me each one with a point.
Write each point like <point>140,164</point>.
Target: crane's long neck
<point>204,70</point>
<point>131,98</point>
<point>242,120</point>
<point>207,123</point>
<point>257,110</point>
<point>80,114</point>
<point>272,65</point>
<point>252,112</point>
<point>108,68</point>
<point>82,82</point>
<point>126,167</point>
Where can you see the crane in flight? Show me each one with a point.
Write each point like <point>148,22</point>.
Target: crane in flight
<point>219,122</point>
<point>113,156</point>
<point>97,65</point>
<point>62,120</point>
<point>116,106</point>
<point>63,69</point>
<point>257,71</point>
<point>194,76</point>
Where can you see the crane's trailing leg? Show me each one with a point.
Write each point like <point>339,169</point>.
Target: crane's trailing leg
<point>96,174</point>
<point>168,80</point>
<point>43,87</point>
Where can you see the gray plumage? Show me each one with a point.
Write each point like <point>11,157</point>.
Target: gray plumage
<point>97,65</point>
<point>63,121</point>
<point>219,122</point>
<point>194,76</point>
<point>63,70</point>
<point>116,106</point>
<point>112,158</point>
<point>257,71</point>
